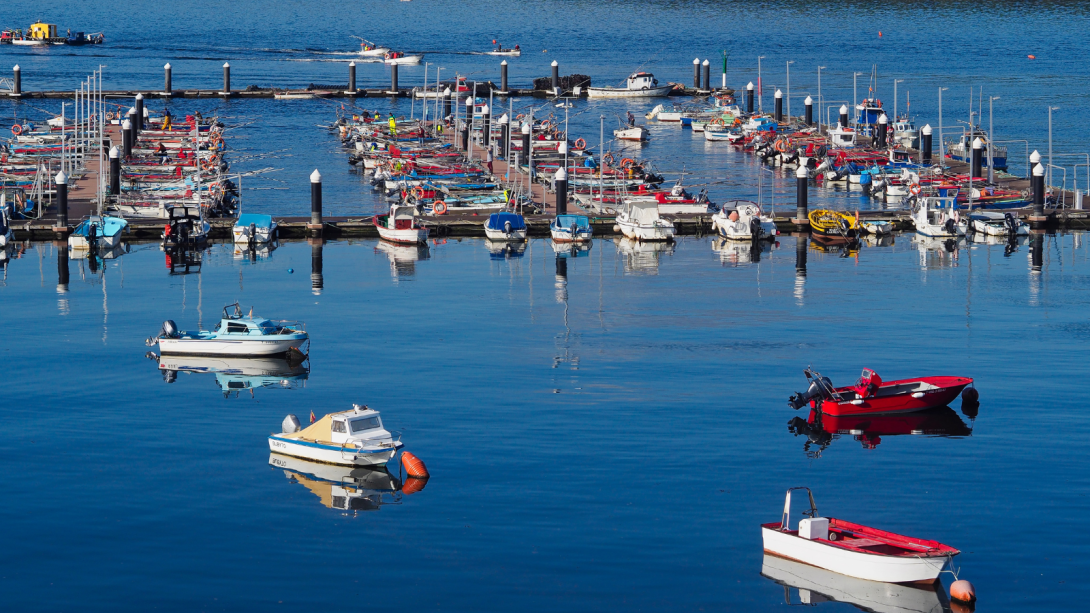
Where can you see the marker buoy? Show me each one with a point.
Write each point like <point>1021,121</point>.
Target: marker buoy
<point>414,466</point>
<point>413,485</point>
<point>963,591</point>
<point>879,34</point>
<point>1032,57</point>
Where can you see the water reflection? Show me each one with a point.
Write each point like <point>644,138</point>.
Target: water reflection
<point>317,280</point>
<point>571,250</point>
<point>938,252</point>
<point>821,430</point>
<point>255,251</point>
<point>816,585</point>
<point>503,250</point>
<point>346,488</point>
<point>403,258</point>
<point>234,375</point>
<point>734,252</point>
<point>642,256</point>
<point>62,277</point>
<point>182,261</point>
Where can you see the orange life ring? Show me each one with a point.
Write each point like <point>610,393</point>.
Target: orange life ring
<point>781,146</point>
<point>545,125</point>
<point>17,129</point>
<point>625,163</point>
<point>439,207</point>
<point>915,189</point>
<point>418,192</point>
<point>580,143</point>
<point>608,159</point>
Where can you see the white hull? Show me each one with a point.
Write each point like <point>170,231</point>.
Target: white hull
<point>565,236</point>
<point>647,233</point>
<point>670,208</point>
<point>671,117</point>
<point>717,136</point>
<point>29,43</point>
<point>377,52</point>
<point>617,92</point>
<point>998,229</point>
<point>239,348</point>
<point>637,134</point>
<point>405,237</point>
<point>873,567</point>
<point>80,243</point>
<point>407,60</point>
<point>505,53</point>
<point>263,235</point>
<point>501,236</point>
<point>333,454</point>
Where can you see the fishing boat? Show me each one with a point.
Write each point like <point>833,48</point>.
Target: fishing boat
<point>401,226</point>
<point>236,336</point>
<point>872,395</point>
<point>997,224</point>
<point>510,227</point>
<point>961,149</point>
<point>833,226</point>
<point>348,438</point>
<point>80,39</point>
<point>638,134</point>
<point>639,220</point>
<point>742,220</point>
<point>638,85</point>
<point>369,49</point>
<point>399,58</point>
<point>938,216</point>
<point>185,226</point>
<point>842,137</point>
<point>254,228</point>
<point>905,133</point>
<point>571,229</point>
<point>97,232</point>
<point>853,549</point>
<point>345,488</point>
<point>516,52</point>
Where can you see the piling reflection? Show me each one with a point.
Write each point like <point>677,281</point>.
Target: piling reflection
<point>735,252</point>
<point>643,257</point>
<point>346,488</point>
<point>504,250</point>
<point>814,586</point>
<point>235,375</point>
<point>317,280</point>
<point>62,277</point>
<point>821,430</point>
<point>403,258</point>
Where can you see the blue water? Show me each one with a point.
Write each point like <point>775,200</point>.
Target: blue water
<point>607,442</point>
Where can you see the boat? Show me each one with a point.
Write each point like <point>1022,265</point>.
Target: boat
<point>639,220</point>
<point>254,228</point>
<point>401,226</point>
<point>97,232</point>
<point>369,49</point>
<point>842,137</point>
<point>348,438</point>
<point>236,336</point>
<point>961,149</point>
<point>637,85</point>
<point>571,229</point>
<point>632,133</point>
<point>816,585</point>
<point>509,227</point>
<point>937,216</point>
<point>742,220</point>
<point>79,39</point>
<point>853,549</point>
<point>346,488</point>
<point>399,58</point>
<point>992,223</point>
<point>516,52</point>
<point>185,226</point>
<point>833,226</point>
<point>6,235</point>
<point>905,133</point>
<point>872,395</point>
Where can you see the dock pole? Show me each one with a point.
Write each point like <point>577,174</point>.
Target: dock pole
<point>126,138</point>
<point>802,198</point>
<point>696,73</point>
<point>503,77</point>
<point>561,180</point>
<point>505,136</point>
<point>556,77</point>
<point>166,81</point>
<point>115,171</point>
<point>779,105</point>
<point>393,80</point>
<point>16,81</point>
<point>707,75</point>
<point>139,125</point>
<point>526,144</point>
<point>1038,186</point>
<point>749,97</point>
<point>62,204</point>
<point>976,166</point>
<point>446,102</point>
<point>925,144</point>
<point>881,131</point>
<point>486,127</point>
<point>809,110</point>
<point>351,79</point>
<point>226,79</point>
<point>315,225</point>
<point>843,116</point>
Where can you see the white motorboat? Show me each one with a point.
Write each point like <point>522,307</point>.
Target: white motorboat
<point>632,133</point>
<point>993,223</point>
<point>396,57</point>
<point>97,232</point>
<point>906,134</point>
<point>505,227</point>
<point>516,52</point>
<point>348,438</point>
<point>6,235</point>
<point>254,228</point>
<point>344,488</point>
<point>853,549</point>
<point>401,226</point>
<point>571,229</point>
<point>842,138</point>
<point>716,133</point>
<point>369,49</point>
<point>236,336</point>
<point>938,216</point>
<point>186,225</point>
<point>638,85</point>
<point>744,222</point>
<point>640,221</point>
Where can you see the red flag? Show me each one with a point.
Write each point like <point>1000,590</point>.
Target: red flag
<point>312,417</point>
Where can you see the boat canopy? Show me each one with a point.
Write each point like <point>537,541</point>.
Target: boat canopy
<point>644,211</point>
<point>259,221</point>
<point>403,212</point>
<point>496,221</point>
<point>567,221</point>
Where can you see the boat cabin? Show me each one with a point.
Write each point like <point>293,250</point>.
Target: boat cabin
<point>868,111</point>
<point>361,423</point>
<point>642,212</point>
<point>579,222</point>
<point>42,31</point>
<point>642,80</point>
<point>938,208</point>
<point>842,138</point>
<point>400,218</point>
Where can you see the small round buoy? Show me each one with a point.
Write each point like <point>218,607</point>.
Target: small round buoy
<point>970,394</point>
<point>413,485</point>
<point>879,34</point>
<point>616,228</point>
<point>962,591</point>
<point>414,466</point>
<point>291,271</point>
<point>1032,57</point>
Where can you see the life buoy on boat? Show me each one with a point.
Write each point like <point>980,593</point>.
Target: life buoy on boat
<point>109,116</point>
<point>625,163</point>
<point>418,192</point>
<point>915,189</point>
<point>608,159</point>
<point>580,143</point>
<point>439,207</point>
<point>16,129</point>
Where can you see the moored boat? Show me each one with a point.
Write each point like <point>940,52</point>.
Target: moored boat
<point>938,216</point>
<point>571,229</point>
<point>97,232</point>
<point>871,394</point>
<point>236,336</point>
<point>400,225</point>
<point>854,549</point>
<point>632,133</point>
<point>254,228</point>
<point>637,85</point>
<point>509,227</point>
<point>742,220</point>
<point>354,437</point>
<point>639,220</point>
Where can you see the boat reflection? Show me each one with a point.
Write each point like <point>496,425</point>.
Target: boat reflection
<point>255,251</point>
<point>821,430</point>
<point>346,488</point>
<point>877,240</point>
<point>643,256</point>
<point>849,249</point>
<point>505,250</point>
<point>181,261</point>
<point>234,375</point>
<point>403,258</point>
<point>734,252</point>
<point>938,252</point>
<point>816,585</point>
<point>571,250</point>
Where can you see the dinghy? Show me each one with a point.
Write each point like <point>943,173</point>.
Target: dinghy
<point>744,222</point>
<point>638,85</point>
<point>853,549</point>
<point>639,220</point>
<point>872,395</point>
<point>236,336</point>
<point>401,226</point>
<point>571,229</point>
<point>348,438</point>
<point>991,223</point>
<point>97,232</point>
<point>254,228</point>
<point>510,227</point>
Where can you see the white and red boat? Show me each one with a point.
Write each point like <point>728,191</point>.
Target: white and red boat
<point>401,226</point>
<point>872,395</point>
<point>853,549</point>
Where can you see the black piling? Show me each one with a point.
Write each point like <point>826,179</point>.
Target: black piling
<point>881,131</point>
<point>503,77</point>
<point>505,137</point>
<point>393,80</point>
<point>749,97</point>
<point>465,136</point>
<point>802,195</point>
<point>115,171</point>
<point>926,144</point>
<point>62,268</point>
<point>779,105</point>
<point>139,114</point>
<point>561,191</point>
<point>556,76</point>
<point>62,201</point>
<point>16,80</point>
<point>526,145</point>
<point>707,76</point>
<point>226,79</point>
<point>977,159</point>
<point>1037,184</point>
<point>317,281</point>
<point>843,116</point>
<point>696,73</point>
<point>800,255</point>
<point>561,267</point>
<point>808,115</point>
<point>126,137</point>
<point>486,127</point>
<point>167,84</point>
<point>315,226</point>
<point>447,95</point>
<point>1037,251</point>
<point>352,78</point>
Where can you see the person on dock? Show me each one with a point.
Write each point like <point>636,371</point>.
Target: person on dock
<point>393,125</point>
<point>166,119</point>
<point>488,160</point>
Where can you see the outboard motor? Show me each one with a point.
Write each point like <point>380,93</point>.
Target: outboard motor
<point>801,399</point>
<point>252,238</point>
<point>170,329</point>
<point>290,424</point>
<point>950,227</point>
<point>507,227</point>
<point>1011,222</point>
<point>755,227</point>
<point>169,376</point>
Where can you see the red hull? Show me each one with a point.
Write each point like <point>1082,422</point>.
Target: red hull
<point>934,392</point>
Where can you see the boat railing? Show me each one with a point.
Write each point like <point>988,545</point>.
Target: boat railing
<point>288,326</point>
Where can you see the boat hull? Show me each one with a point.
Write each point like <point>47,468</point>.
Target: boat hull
<point>942,395</point>
<point>501,236</point>
<point>565,235</point>
<point>410,236</point>
<point>616,92</point>
<point>646,233</point>
<point>238,348</point>
<point>872,567</point>
<point>332,454</point>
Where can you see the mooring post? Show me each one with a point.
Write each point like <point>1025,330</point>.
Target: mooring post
<point>925,144</point>
<point>802,197</point>
<point>779,105</point>
<point>62,203</point>
<point>315,226</point>
<point>976,164</point>
<point>126,137</point>
<point>115,171</point>
<point>882,131</point>
<point>16,81</point>
<point>446,102</point>
<point>1038,186</point>
<point>503,77</point>
<point>486,127</point>
<point>226,79</point>
<point>167,85</point>
<point>561,180</point>
<point>526,144</point>
<point>393,80</point>
<point>351,79</point>
<point>505,136</point>
<point>139,114</point>
<point>1034,160</point>
<point>556,77</point>
<point>749,97</point>
<point>808,112</point>
<point>696,73</point>
<point>317,282</point>
<point>843,116</point>
<point>707,75</point>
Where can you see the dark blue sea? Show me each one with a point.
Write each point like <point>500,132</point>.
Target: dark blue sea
<point>604,432</point>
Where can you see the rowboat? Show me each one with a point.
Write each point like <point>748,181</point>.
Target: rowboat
<point>833,226</point>
<point>236,336</point>
<point>853,549</point>
<point>400,226</point>
<point>348,438</point>
<point>872,395</point>
<point>638,85</point>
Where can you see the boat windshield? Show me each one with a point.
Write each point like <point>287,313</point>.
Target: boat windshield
<point>365,423</point>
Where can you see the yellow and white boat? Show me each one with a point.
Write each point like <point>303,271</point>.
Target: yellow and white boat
<point>348,438</point>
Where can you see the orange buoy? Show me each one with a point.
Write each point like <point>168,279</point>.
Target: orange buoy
<point>879,34</point>
<point>962,591</point>
<point>413,485</point>
<point>1032,57</point>
<point>414,466</point>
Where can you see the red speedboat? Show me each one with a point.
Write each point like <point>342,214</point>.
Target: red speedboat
<point>873,395</point>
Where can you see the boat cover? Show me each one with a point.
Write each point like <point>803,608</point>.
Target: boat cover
<point>497,220</point>
<point>566,221</point>
<point>259,221</point>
